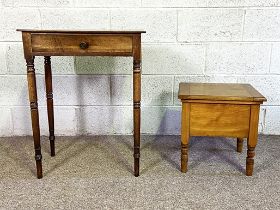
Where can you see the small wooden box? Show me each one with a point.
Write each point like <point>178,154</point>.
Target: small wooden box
<point>216,109</point>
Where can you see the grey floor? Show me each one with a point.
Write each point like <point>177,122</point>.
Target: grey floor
<point>96,173</point>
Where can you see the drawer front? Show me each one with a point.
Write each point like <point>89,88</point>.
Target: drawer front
<point>81,44</point>
<point>228,120</point>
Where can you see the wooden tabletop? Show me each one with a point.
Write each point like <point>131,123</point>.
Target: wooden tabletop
<point>83,31</point>
<point>219,91</point>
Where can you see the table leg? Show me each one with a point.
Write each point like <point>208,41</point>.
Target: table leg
<point>185,136</point>
<point>31,77</point>
<point>239,144</point>
<point>49,95</point>
<point>136,101</point>
<point>252,139</point>
<point>136,114</point>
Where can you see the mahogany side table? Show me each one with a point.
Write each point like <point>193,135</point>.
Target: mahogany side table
<point>49,43</point>
<point>215,109</point>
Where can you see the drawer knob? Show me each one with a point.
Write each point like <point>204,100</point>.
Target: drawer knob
<point>84,45</point>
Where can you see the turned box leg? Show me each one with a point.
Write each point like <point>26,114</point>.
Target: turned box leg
<point>49,95</point>
<point>185,136</point>
<point>32,89</point>
<point>239,144</point>
<point>252,139</point>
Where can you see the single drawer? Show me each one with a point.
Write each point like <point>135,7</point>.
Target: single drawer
<point>81,44</point>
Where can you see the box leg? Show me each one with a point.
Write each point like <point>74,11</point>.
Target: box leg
<point>252,139</point>
<point>185,136</point>
<point>239,145</point>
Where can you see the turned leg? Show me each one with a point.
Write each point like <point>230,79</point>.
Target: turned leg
<point>49,95</point>
<point>136,100</point>
<point>239,145</point>
<point>250,161</point>
<point>252,139</point>
<point>185,136</point>
<point>31,77</point>
<point>136,115</point>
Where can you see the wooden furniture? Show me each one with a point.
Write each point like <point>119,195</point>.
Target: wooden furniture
<point>230,110</point>
<point>78,43</point>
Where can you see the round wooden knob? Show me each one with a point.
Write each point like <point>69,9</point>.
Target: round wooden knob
<point>84,45</point>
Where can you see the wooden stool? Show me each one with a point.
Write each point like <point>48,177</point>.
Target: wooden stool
<point>229,110</point>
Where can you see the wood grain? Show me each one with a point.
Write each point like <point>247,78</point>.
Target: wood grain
<point>32,89</point>
<point>239,145</point>
<point>82,31</point>
<point>49,96</point>
<point>219,91</point>
<point>81,43</point>
<point>69,44</point>
<point>228,120</point>
<point>185,136</point>
<point>137,58</point>
<point>252,139</point>
<point>229,110</point>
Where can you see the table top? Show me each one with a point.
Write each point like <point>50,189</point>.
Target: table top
<point>83,31</point>
<point>219,91</point>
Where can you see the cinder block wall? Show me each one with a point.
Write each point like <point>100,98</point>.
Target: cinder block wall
<point>186,40</point>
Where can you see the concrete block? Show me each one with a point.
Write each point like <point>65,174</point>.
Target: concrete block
<point>6,125</point>
<point>37,3</point>
<point>102,120</point>
<point>179,79</point>
<point>262,25</point>
<point>21,118</point>
<point>173,59</point>
<point>14,18</point>
<point>14,91</point>
<point>172,3</point>
<point>210,25</point>
<point>238,58</point>
<point>75,18</point>
<point>81,90</point>
<point>65,121</point>
<point>262,119</point>
<point>121,90</point>
<point>108,3</point>
<point>243,3</point>
<point>60,65</point>
<point>209,3</point>
<point>103,65</point>
<point>222,78</point>
<point>55,3</point>
<point>15,59</point>
<point>111,90</point>
<point>18,3</point>
<point>275,59</point>
<point>16,63</point>
<point>69,90</point>
<point>3,55</point>
<point>161,25</point>
<point>266,85</point>
<point>161,120</point>
<point>272,123</point>
<point>157,90</point>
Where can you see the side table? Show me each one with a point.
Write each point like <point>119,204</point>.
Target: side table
<point>49,43</point>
